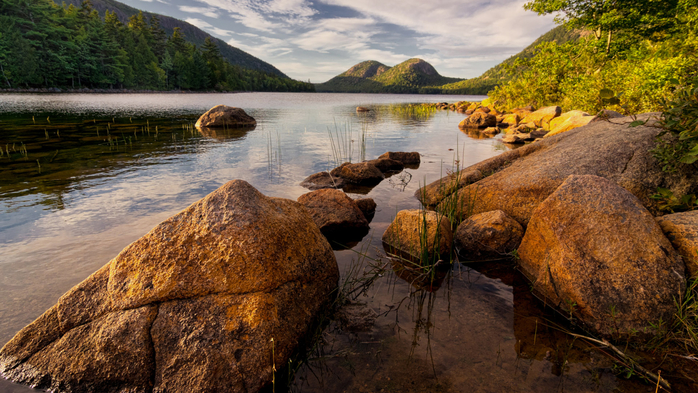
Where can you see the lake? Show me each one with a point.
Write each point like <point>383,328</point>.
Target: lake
<point>85,175</point>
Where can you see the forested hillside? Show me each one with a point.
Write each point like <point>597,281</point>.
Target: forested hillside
<point>46,45</point>
<point>191,33</point>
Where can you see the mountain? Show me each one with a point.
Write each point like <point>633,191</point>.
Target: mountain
<point>499,73</point>
<point>411,76</point>
<point>191,33</point>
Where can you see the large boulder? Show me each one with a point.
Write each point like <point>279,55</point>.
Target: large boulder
<point>223,116</point>
<point>420,235</point>
<point>682,231</point>
<point>487,235</point>
<point>517,181</point>
<point>191,306</point>
<point>337,215</point>
<point>595,252</point>
<point>479,120</point>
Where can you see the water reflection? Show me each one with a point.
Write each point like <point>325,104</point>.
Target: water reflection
<point>224,134</point>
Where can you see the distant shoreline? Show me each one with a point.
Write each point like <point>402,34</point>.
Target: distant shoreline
<point>55,90</point>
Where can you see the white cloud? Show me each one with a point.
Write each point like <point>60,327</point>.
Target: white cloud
<point>208,27</point>
<point>206,11</point>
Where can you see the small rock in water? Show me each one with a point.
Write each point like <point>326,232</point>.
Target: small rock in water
<point>337,215</point>
<point>362,109</point>
<point>406,158</point>
<point>322,180</point>
<point>225,116</point>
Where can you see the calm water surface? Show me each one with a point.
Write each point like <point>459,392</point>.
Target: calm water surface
<point>82,176</point>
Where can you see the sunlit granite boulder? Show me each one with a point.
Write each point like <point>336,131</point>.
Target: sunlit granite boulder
<point>568,121</point>
<point>595,252</point>
<point>338,216</point>
<point>420,235</point>
<point>543,116</point>
<point>490,235</point>
<point>208,301</point>
<point>682,231</point>
<point>222,116</point>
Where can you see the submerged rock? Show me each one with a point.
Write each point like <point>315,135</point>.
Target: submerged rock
<point>595,252</point>
<point>357,317</point>
<point>191,306</point>
<point>419,234</point>
<point>487,235</point>
<point>517,181</point>
<point>221,116</point>
<point>337,215</point>
<point>682,231</point>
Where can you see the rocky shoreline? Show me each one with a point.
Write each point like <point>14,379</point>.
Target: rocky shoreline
<point>215,297</point>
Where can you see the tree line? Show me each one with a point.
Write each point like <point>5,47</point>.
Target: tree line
<point>44,45</point>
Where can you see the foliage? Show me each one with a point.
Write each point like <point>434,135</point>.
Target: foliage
<point>669,202</point>
<point>46,45</point>
<point>680,118</point>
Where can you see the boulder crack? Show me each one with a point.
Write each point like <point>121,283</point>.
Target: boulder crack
<point>152,343</point>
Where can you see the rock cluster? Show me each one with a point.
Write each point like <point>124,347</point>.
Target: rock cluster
<point>579,203</point>
<point>362,174</point>
<point>209,300</point>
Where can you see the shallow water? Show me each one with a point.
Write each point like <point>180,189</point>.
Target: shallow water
<point>111,167</point>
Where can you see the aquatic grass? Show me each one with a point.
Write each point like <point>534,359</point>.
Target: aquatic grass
<point>419,112</point>
<point>341,142</point>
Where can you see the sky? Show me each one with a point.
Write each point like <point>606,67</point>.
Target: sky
<point>318,39</point>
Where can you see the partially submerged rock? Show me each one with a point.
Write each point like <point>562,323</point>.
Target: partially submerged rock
<point>517,181</point>
<point>362,109</point>
<point>367,207</point>
<point>487,235</point>
<point>386,165</point>
<point>406,158</point>
<point>595,252</point>
<point>479,120</point>
<point>322,180</point>
<point>337,215</point>
<point>420,235</point>
<point>682,231</point>
<point>190,306</point>
<point>362,173</point>
<point>223,116</point>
